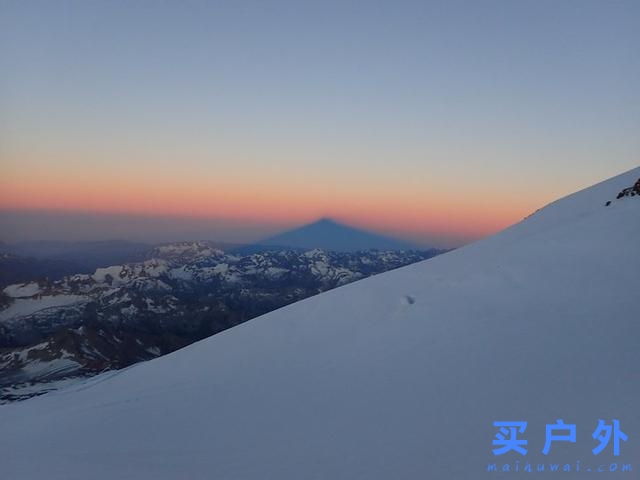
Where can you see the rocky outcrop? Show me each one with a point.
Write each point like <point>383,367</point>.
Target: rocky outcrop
<point>630,191</point>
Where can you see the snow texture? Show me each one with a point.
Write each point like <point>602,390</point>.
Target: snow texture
<point>22,290</point>
<point>27,306</point>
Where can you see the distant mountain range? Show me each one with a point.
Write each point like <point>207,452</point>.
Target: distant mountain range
<point>23,261</point>
<point>328,234</point>
<point>180,292</point>
<point>17,269</point>
<point>52,260</point>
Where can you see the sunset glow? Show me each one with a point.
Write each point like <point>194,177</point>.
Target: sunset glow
<point>386,119</point>
<point>416,209</point>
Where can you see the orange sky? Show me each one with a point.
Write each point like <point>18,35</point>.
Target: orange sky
<point>440,203</point>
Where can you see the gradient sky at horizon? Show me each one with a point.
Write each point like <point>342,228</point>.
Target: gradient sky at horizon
<point>439,122</point>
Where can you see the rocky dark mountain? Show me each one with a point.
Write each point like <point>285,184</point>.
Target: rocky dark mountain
<point>180,293</point>
<point>39,260</point>
<point>18,269</point>
<point>81,252</point>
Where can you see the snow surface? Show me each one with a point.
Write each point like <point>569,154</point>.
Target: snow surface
<point>398,376</point>
<point>44,368</point>
<point>27,306</point>
<point>112,272</point>
<point>22,290</point>
<point>28,389</point>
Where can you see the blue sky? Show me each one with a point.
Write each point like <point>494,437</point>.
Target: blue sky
<point>386,106</point>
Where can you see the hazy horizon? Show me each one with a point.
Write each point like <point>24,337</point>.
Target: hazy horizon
<point>30,226</point>
<point>46,225</point>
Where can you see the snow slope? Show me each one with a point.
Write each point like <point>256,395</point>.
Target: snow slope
<point>27,306</point>
<point>397,376</point>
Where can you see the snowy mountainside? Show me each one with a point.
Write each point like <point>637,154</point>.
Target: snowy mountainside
<point>400,375</point>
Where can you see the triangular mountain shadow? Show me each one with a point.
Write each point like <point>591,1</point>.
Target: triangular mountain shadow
<point>328,234</point>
